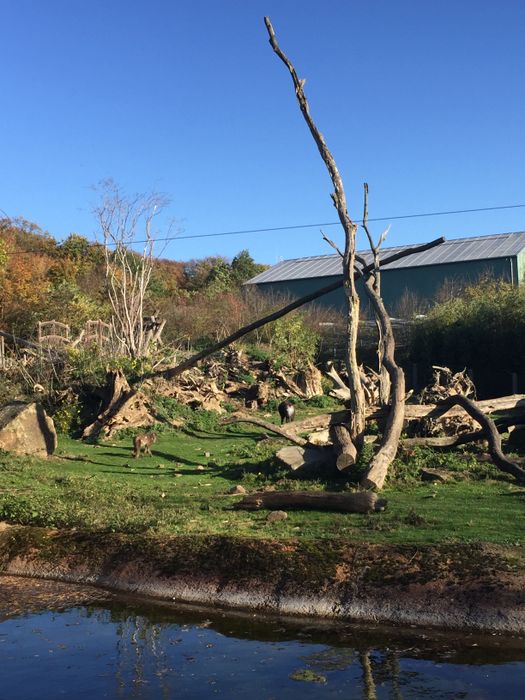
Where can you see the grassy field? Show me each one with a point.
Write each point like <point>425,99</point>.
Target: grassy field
<point>183,489</point>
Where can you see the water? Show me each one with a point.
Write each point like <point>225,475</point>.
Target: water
<point>131,651</point>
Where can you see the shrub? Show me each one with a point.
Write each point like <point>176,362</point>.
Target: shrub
<point>484,328</point>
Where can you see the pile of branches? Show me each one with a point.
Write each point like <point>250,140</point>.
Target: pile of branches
<point>446,384</point>
<point>233,377</point>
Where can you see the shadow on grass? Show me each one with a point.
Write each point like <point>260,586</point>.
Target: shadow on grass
<point>227,435</point>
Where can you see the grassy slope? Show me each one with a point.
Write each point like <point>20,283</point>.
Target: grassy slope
<point>104,488</point>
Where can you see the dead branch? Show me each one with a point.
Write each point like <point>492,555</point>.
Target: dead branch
<point>195,359</point>
<point>492,435</point>
<point>343,391</point>
<point>270,427</point>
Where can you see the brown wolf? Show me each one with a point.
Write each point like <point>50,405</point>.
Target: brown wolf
<point>143,440</point>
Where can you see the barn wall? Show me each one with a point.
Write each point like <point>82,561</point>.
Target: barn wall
<point>423,283</point>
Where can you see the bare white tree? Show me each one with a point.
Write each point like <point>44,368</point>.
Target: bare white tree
<point>126,221</point>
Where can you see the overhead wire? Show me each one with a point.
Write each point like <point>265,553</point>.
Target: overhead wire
<point>303,226</point>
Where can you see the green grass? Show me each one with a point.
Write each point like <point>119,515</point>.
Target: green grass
<point>183,489</point>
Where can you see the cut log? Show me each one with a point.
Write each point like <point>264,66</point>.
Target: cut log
<point>358,502</point>
<point>306,458</point>
<point>345,450</point>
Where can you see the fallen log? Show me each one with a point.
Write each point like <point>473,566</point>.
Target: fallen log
<point>357,502</point>
<point>412,412</point>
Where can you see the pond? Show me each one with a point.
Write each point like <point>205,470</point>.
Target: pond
<point>127,649</point>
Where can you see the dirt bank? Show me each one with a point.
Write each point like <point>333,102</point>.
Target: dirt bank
<point>449,586</point>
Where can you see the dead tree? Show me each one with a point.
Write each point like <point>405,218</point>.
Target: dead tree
<point>128,273</point>
<point>357,421</point>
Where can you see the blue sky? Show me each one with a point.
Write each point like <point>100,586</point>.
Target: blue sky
<point>424,100</point>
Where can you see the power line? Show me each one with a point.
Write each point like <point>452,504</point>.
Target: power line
<point>316,225</point>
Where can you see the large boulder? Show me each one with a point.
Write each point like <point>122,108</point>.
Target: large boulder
<point>25,428</point>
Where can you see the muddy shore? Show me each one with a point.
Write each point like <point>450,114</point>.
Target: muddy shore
<point>474,587</point>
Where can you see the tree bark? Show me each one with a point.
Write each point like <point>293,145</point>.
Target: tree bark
<point>358,502</point>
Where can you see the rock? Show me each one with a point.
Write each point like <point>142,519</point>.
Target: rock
<point>25,428</point>
<point>276,515</point>
<point>237,490</point>
<point>200,468</point>
<point>207,454</point>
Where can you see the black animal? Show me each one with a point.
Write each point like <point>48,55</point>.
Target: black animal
<point>286,411</point>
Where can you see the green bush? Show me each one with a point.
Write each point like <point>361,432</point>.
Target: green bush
<point>293,339</point>
<point>484,329</point>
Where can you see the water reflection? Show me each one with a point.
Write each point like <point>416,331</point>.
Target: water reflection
<point>130,651</point>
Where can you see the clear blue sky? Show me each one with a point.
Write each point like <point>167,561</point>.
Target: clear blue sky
<point>424,100</point>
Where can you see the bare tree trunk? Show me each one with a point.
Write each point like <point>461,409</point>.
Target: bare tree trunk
<point>357,400</point>
<point>375,477</point>
<point>384,377</point>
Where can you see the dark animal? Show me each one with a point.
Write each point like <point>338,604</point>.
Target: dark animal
<point>145,440</point>
<point>286,411</point>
